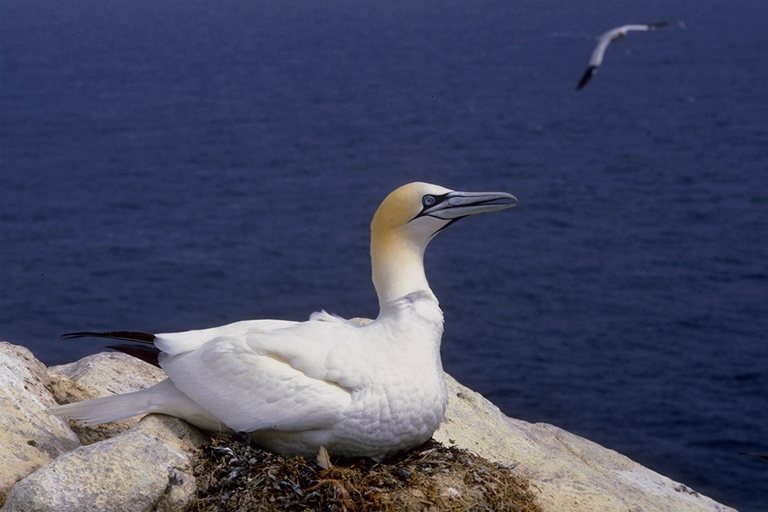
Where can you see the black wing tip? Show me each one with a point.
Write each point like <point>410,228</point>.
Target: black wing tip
<point>657,24</point>
<point>141,337</point>
<point>147,354</point>
<point>586,77</point>
<point>82,334</point>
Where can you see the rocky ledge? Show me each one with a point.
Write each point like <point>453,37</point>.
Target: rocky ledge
<point>147,465</point>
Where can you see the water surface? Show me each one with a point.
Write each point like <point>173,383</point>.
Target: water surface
<point>175,165</point>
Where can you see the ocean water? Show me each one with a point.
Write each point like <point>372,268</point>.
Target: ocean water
<point>174,165</point>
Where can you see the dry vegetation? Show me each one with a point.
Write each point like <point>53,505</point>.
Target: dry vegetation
<point>235,476</point>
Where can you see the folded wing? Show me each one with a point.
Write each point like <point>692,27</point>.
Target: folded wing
<point>257,378</point>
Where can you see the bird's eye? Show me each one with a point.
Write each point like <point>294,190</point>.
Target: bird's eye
<point>428,201</point>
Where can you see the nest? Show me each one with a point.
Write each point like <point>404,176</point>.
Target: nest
<point>233,475</point>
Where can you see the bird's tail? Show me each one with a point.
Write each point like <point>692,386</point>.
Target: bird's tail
<point>110,408</point>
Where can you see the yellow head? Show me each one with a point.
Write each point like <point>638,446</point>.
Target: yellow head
<point>407,220</point>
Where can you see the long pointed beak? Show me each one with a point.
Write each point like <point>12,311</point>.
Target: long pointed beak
<point>461,204</point>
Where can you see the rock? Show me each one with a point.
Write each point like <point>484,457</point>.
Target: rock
<point>98,375</point>
<point>145,468</point>
<point>572,474</point>
<point>29,436</point>
<point>102,374</point>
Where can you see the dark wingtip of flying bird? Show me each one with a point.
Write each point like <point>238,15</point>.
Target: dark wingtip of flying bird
<point>586,77</point>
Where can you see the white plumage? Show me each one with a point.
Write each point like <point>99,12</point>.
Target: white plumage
<point>355,388</point>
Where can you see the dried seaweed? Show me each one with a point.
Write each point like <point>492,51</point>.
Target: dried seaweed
<point>233,475</point>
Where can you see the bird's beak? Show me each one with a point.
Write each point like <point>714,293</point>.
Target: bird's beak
<point>455,205</point>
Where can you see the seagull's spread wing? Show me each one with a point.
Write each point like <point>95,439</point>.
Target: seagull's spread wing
<point>263,379</point>
<point>643,27</point>
<point>602,44</point>
<point>596,59</point>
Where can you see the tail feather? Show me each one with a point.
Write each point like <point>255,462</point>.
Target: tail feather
<point>163,398</point>
<point>110,408</point>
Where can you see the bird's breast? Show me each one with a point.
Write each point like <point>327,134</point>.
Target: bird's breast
<point>401,407</point>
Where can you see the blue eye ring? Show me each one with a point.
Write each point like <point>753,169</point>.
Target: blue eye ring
<point>428,201</point>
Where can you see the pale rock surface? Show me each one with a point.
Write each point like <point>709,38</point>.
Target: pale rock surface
<point>29,436</point>
<point>98,375</point>
<point>102,374</point>
<point>146,468</point>
<point>569,473</point>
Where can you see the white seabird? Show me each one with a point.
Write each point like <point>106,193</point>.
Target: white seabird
<point>602,44</point>
<point>355,389</point>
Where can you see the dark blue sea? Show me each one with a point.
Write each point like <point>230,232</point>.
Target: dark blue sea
<point>183,164</point>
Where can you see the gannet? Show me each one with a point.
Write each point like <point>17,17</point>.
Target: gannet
<point>602,44</point>
<point>356,389</point>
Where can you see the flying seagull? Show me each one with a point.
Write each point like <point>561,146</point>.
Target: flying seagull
<point>353,388</point>
<point>602,44</point>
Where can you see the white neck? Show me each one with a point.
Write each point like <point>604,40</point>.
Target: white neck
<point>397,267</point>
